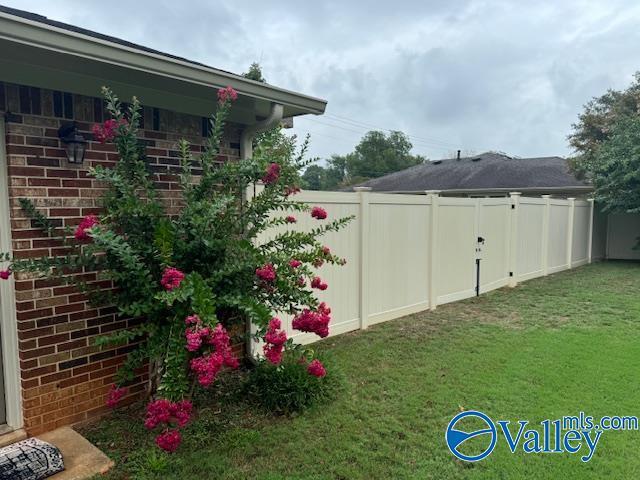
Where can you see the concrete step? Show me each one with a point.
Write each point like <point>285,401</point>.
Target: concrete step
<point>9,436</point>
<point>82,460</point>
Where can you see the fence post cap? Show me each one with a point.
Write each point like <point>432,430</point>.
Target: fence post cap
<point>545,196</point>
<point>361,189</point>
<point>591,199</point>
<point>432,192</point>
<point>515,194</point>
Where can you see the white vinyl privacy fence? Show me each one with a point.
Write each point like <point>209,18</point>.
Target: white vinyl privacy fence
<point>408,253</point>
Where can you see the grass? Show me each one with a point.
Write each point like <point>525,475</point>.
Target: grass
<point>550,347</point>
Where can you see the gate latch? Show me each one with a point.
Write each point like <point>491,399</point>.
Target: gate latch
<point>479,245</point>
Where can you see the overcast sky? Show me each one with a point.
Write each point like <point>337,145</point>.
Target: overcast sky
<point>453,74</point>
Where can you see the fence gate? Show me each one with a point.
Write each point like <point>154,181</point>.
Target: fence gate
<point>492,239</point>
<point>457,234</point>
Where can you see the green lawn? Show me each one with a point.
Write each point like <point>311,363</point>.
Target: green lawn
<point>549,348</point>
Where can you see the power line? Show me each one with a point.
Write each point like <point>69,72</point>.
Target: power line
<point>313,133</point>
<point>353,143</point>
<point>416,140</point>
<point>419,143</point>
<point>335,126</point>
<point>368,125</point>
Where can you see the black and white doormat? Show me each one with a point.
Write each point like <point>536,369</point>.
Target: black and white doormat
<point>30,459</point>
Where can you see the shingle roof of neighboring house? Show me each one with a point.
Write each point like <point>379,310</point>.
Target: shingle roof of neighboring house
<point>481,172</point>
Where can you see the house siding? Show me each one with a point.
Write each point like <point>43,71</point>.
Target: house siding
<point>65,378</point>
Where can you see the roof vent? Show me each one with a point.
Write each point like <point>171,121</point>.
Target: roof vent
<point>437,162</point>
<point>477,159</point>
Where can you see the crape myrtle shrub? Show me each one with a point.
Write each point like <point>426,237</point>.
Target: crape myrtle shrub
<point>192,277</point>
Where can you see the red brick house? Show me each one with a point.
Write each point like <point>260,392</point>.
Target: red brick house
<point>50,76</point>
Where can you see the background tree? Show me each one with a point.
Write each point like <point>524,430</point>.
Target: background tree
<point>376,155</point>
<point>336,172</point>
<point>314,177</point>
<point>596,124</point>
<point>616,169</point>
<point>255,73</point>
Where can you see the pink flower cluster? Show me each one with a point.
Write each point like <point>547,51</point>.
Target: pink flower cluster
<point>169,440</point>
<point>318,262</point>
<point>107,131</point>
<point>316,369</point>
<point>207,366</point>
<point>274,341</point>
<point>195,333</point>
<point>317,282</point>
<point>115,395</point>
<point>293,263</point>
<point>326,253</point>
<point>5,274</point>
<point>194,338</point>
<point>163,411</point>
<point>314,321</point>
<point>290,219</point>
<point>318,213</point>
<point>171,278</point>
<point>267,272</point>
<point>87,222</point>
<point>227,94</point>
<point>272,174</point>
<point>171,416</point>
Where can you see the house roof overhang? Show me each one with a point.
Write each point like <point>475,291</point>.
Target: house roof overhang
<point>38,54</point>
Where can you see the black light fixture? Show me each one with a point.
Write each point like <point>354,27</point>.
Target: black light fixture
<point>76,144</point>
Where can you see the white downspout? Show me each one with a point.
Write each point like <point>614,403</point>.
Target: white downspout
<point>246,151</point>
<point>246,138</point>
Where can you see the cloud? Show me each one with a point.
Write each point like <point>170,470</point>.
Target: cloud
<point>474,75</point>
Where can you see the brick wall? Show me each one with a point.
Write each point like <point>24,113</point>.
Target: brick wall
<point>65,378</point>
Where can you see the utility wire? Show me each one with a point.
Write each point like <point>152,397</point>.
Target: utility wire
<point>416,140</point>
<point>368,125</point>
<point>313,133</point>
<point>351,142</point>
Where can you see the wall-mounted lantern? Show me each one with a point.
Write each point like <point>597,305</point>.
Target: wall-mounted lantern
<point>76,144</point>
